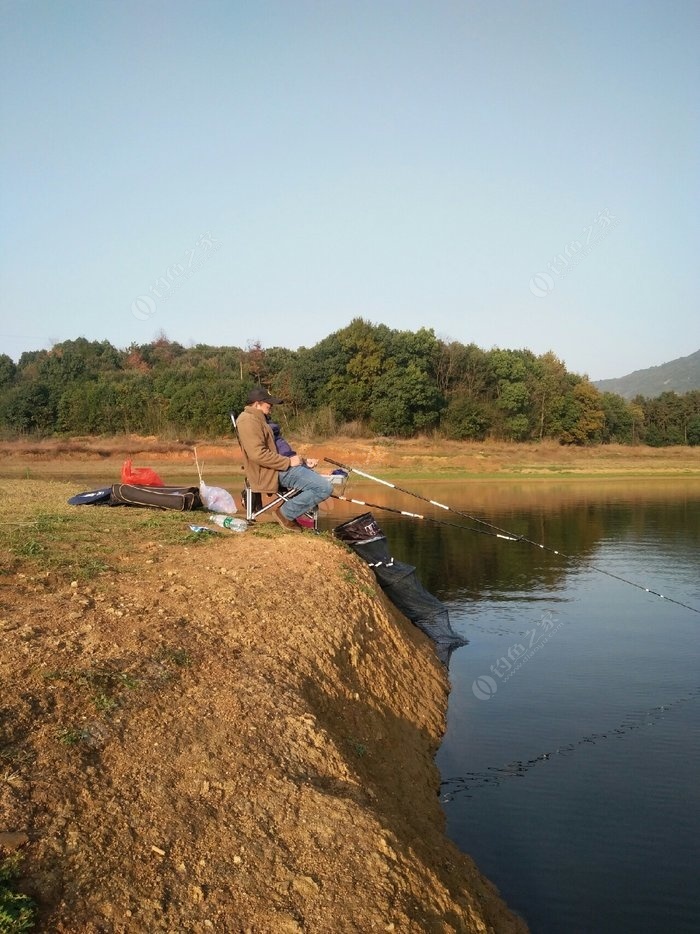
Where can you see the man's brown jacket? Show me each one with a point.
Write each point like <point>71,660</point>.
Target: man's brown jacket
<point>261,462</point>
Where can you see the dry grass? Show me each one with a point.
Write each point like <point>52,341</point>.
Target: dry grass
<point>101,458</point>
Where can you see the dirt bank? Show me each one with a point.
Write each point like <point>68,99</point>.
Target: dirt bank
<point>233,734</point>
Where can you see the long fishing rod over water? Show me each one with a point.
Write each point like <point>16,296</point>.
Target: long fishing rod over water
<point>506,534</point>
<point>416,515</point>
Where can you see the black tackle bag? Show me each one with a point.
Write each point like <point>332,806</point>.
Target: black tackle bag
<point>182,498</point>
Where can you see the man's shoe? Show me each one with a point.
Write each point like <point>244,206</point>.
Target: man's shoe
<point>288,524</point>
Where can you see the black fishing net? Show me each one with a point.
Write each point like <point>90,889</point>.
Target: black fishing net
<point>400,583</point>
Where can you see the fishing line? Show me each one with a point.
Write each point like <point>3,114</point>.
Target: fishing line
<point>415,515</point>
<point>466,784</point>
<point>512,536</point>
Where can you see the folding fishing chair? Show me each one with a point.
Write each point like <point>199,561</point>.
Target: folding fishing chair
<point>253,499</point>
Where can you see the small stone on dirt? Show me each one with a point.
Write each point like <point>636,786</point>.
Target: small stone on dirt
<point>12,840</point>
<point>305,886</point>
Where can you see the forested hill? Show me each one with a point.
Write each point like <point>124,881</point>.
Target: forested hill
<point>364,379</point>
<point>679,376</point>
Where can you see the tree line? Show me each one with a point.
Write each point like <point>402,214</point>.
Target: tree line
<point>364,379</point>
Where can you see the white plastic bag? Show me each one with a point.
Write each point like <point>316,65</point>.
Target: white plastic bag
<point>214,498</point>
<point>217,499</point>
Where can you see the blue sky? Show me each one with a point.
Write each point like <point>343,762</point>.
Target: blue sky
<point>512,174</point>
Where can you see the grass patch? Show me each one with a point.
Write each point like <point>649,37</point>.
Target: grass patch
<point>95,678</point>
<point>48,523</point>
<point>17,911</point>
<point>105,703</point>
<point>39,528</point>
<point>12,757</point>
<point>350,577</point>
<point>89,568</point>
<point>181,658</point>
<point>29,548</point>
<point>72,736</point>
<point>199,538</point>
<point>106,688</point>
<point>360,749</point>
<point>104,685</point>
<point>167,526</point>
<point>266,530</point>
<point>169,663</point>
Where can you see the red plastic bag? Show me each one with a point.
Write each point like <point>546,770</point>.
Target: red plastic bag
<point>139,476</point>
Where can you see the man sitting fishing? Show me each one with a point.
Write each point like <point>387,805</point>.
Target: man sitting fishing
<point>267,469</point>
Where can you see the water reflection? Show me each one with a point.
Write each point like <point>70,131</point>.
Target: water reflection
<point>601,830</point>
<point>574,519</point>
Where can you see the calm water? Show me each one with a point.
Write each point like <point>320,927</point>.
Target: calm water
<point>571,763</point>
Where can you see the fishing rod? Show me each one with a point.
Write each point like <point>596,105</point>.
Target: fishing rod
<point>512,536</point>
<point>415,515</point>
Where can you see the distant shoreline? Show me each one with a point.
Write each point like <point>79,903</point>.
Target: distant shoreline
<point>421,458</point>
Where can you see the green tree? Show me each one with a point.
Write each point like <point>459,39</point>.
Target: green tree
<point>313,369</point>
<point>201,407</point>
<point>29,408</point>
<point>8,371</point>
<point>619,419</point>
<point>402,348</point>
<point>351,387</point>
<point>692,417</point>
<point>638,419</point>
<point>466,418</point>
<point>548,384</point>
<point>463,370</point>
<point>135,403</point>
<point>666,419</point>
<point>511,371</point>
<point>88,409</point>
<point>405,400</point>
<point>584,417</point>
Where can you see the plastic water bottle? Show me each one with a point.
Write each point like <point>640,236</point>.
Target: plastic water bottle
<point>230,522</point>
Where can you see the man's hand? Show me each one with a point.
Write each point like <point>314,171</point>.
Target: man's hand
<point>296,461</point>
<point>311,462</point>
